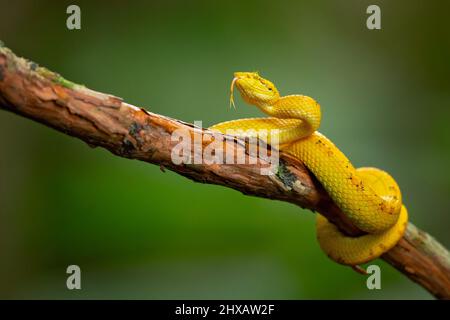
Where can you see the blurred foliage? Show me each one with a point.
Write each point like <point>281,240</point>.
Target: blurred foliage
<point>139,233</point>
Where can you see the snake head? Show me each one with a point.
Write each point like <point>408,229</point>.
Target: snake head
<point>254,89</point>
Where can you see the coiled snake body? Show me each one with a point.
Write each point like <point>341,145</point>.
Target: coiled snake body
<point>369,197</point>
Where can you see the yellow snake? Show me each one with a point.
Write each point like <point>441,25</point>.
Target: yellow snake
<point>369,197</point>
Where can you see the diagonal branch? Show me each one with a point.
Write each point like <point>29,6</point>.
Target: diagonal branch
<point>106,121</point>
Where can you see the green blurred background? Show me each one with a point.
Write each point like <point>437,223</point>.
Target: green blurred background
<point>139,233</point>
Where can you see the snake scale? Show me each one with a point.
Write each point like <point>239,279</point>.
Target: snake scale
<point>369,197</point>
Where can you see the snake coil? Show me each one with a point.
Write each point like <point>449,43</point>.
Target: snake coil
<point>369,197</point>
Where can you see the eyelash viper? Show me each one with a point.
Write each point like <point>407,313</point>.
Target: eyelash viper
<point>369,197</point>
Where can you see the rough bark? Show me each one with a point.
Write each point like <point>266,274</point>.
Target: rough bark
<point>106,121</point>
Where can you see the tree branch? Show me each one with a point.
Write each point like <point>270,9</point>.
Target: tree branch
<point>103,120</point>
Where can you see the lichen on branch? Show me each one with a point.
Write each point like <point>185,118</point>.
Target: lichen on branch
<point>128,131</point>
